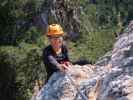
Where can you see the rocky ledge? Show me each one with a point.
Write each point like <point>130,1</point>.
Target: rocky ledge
<point>111,78</point>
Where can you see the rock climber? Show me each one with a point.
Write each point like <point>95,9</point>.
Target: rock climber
<point>55,55</point>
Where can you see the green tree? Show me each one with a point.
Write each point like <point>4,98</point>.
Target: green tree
<point>16,19</point>
<point>20,67</point>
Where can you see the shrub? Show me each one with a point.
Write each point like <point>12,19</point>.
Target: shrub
<point>20,67</point>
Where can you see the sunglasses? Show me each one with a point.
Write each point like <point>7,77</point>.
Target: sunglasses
<point>56,38</point>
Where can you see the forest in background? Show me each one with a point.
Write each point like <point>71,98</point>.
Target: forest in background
<point>91,28</point>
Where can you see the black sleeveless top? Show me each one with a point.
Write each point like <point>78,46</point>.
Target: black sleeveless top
<point>52,60</point>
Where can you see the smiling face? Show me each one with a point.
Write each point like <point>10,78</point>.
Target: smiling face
<point>56,42</point>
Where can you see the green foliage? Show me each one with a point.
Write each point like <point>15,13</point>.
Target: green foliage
<point>20,67</point>
<point>30,36</point>
<point>16,18</point>
<point>114,11</point>
<point>94,40</point>
<point>92,46</point>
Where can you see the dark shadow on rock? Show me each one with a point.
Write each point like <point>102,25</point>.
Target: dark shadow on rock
<point>82,62</point>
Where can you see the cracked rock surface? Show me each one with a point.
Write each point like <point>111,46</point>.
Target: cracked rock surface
<point>111,78</point>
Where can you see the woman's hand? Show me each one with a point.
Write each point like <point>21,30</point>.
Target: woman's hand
<point>64,67</point>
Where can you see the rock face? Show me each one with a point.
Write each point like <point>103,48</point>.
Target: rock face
<point>111,78</point>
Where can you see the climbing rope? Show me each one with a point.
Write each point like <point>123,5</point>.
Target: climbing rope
<point>84,97</point>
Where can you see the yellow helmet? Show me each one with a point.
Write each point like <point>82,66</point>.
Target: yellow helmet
<point>55,30</point>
